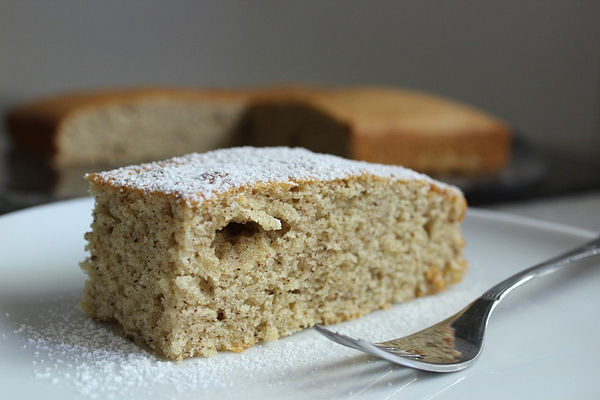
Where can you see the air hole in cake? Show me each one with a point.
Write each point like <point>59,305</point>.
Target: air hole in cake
<point>207,286</point>
<point>429,226</point>
<point>238,237</point>
<point>221,315</point>
<point>233,231</point>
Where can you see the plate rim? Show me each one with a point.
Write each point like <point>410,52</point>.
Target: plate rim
<point>523,220</point>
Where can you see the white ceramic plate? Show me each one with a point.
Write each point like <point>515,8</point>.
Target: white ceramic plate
<point>543,340</point>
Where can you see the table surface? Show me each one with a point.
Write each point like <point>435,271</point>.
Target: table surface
<point>579,210</point>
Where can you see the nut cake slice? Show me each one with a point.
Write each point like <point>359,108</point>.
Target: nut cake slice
<point>219,251</point>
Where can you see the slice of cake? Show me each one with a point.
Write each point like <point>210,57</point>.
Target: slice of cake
<point>113,127</point>
<point>219,251</point>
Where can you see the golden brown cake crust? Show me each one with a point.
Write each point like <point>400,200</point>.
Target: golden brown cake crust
<point>419,130</point>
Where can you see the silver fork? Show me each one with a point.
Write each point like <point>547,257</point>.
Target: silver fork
<point>455,343</point>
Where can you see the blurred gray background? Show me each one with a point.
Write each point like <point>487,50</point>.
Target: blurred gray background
<point>535,64</point>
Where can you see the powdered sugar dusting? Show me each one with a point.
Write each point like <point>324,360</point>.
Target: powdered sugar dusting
<point>197,177</point>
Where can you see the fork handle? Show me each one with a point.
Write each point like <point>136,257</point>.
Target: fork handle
<point>498,292</point>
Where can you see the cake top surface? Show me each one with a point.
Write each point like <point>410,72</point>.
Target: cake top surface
<point>195,177</point>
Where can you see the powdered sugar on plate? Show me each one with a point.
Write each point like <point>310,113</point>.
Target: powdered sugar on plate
<point>196,177</point>
<point>70,350</point>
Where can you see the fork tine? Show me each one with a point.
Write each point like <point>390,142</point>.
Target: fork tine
<point>397,351</point>
<point>370,348</point>
<point>362,345</point>
<point>339,338</point>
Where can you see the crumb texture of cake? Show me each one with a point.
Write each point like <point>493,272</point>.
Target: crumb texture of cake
<point>219,251</point>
